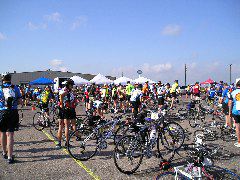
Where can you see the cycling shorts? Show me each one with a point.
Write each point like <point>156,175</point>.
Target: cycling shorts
<point>236,118</point>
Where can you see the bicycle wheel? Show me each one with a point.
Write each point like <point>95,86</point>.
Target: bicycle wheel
<point>221,173</point>
<point>128,154</point>
<point>166,176</point>
<point>85,147</point>
<point>39,121</point>
<point>172,136</point>
<point>54,126</point>
<point>120,132</point>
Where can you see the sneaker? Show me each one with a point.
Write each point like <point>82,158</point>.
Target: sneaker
<point>11,160</point>
<point>237,144</point>
<point>4,156</point>
<point>58,146</point>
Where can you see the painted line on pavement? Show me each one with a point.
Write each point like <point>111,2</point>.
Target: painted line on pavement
<point>77,161</point>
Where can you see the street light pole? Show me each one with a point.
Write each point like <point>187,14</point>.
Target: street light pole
<point>230,66</point>
<point>185,73</point>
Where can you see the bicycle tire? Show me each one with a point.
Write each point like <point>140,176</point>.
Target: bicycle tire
<point>130,148</point>
<point>172,131</point>
<point>38,121</point>
<point>86,147</point>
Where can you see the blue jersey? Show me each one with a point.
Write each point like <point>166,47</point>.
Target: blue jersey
<point>235,97</point>
<point>212,93</point>
<point>225,96</point>
<point>13,92</point>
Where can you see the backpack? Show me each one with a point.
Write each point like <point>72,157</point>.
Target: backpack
<point>9,96</point>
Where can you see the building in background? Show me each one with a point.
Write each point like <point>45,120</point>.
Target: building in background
<point>26,77</point>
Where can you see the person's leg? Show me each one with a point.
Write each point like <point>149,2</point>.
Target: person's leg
<point>4,142</point>
<point>67,124</point>
<point>238,132</point>
<point>60,128</point>
<point>10,143</point>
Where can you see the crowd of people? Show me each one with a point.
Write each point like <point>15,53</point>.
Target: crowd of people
<point>125,98</point>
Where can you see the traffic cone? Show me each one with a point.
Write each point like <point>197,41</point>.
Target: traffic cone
<point>33,107</point>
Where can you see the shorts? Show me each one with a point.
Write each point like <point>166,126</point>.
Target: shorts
<point>67,113</point>
<point>236,118</point>
<point>160,101</point>
<point>121,99</point>
<point>10,122</point>
<point>219,94</point>
<point>44,106</point>
<point>225,108</point>
<point>114,97</point>
<point>197,94</point>
<point>128,97</point>
<point>86,100</point>
<point>174,94</point>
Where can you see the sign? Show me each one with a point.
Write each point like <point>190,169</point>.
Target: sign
<point>139,71</point>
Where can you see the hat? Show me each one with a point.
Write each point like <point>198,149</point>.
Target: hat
<point>7,77</point>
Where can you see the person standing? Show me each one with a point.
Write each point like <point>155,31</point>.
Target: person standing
<point>10,96</point>
<point>67,113</point>
<point>136,97</point>
<point>173,92</point>
<point>161,91</point>
<point>234,110</point>
<point>129,89</point>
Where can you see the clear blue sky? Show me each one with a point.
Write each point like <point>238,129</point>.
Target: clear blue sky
<point>115,36</point>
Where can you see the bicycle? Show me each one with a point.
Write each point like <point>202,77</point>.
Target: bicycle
<point>132,148</point>
<point>92,139</point>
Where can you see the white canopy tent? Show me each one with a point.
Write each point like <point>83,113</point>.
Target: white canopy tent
<point>122,80</point>
<point>79,80</point>
<point>100,79</point>
<point>142,80</point>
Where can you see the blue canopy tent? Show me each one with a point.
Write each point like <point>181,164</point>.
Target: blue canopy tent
<point>42,81</point>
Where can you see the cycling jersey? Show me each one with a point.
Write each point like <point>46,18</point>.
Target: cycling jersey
<point>196,89</point>
<point>212,93</point>
<point>136,95</point>
<point>174,88</point>
<point>69,100</point>
<point>9,95</point>
<point>129,89</point>
<point>160,91</point>
<point>235,97</point>
<point>45,97</point>
<point>225,96</point>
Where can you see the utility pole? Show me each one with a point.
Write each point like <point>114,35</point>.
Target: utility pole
<point>230,66</point>
<point>122,74</point>
<point>185,72</point>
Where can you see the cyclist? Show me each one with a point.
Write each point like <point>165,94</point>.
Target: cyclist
<point>67,113</point>
<point>92,94</point>
<point>161,91</point>
<point>136,97</point>
<point>196,90</point>
<point>224,101</point>
<point>173,92</point>
<point>129,89</point>
<point>188,92</point>
<point>211,95</point>
<point>45,98</point>
<point>234,111</point>
<point>10,97</point>
<point>121,96</point>
<point>115,97</point>
<point>145,91</point>
<point>86,98</point>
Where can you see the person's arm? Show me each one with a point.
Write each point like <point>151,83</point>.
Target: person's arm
<point>230,102</point>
